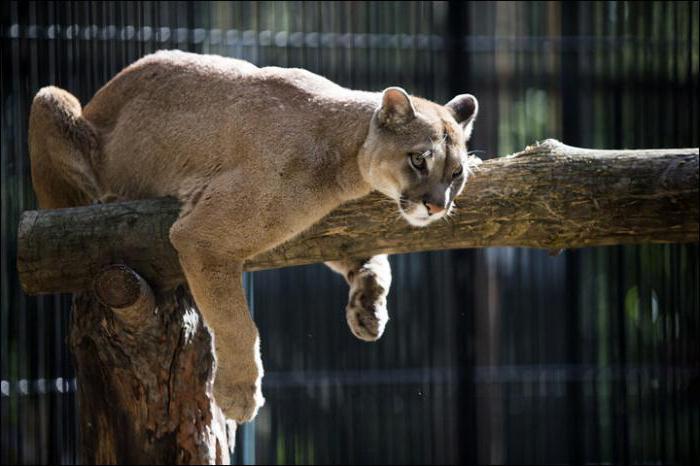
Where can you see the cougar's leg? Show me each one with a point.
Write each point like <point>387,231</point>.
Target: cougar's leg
<point>369,280</point>
<point>235,216</point>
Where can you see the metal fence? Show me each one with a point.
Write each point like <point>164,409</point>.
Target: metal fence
<point>499,355</point>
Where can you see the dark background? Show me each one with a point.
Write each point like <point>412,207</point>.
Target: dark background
<point>492,356</point>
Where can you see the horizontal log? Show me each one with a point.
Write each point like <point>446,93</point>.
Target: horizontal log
<point>549,196</point>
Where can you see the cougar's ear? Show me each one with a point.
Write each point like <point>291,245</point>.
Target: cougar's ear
<point>396,107</point>
<point>464,109</point>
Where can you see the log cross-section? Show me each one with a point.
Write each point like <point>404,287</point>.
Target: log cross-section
<point>550,196</point>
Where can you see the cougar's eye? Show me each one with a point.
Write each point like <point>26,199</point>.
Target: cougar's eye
<point>418,159</point>
<point>458,172</point>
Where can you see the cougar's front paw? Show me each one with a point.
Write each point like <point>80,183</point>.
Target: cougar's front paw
<point>239,402</point>
<point>366,312</point>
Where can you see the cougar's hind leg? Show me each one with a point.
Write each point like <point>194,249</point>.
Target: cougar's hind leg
<point>369,280</point>
<point>61,144</point>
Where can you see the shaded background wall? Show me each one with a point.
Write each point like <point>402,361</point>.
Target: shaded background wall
<point>499,355</point>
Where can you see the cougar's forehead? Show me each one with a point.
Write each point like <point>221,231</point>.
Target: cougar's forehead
<point>439,118</point>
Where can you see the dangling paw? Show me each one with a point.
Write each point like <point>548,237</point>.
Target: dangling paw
<point>367,315</point>
<point>239,402</point>
<point>366,312</point>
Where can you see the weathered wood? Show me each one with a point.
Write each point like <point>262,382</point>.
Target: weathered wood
<point>145,392</point>
<point>549,196</point>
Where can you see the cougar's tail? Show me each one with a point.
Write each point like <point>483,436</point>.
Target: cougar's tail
<point>62,147</point>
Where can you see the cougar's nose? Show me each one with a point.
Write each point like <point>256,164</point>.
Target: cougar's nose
<point>433,208</point>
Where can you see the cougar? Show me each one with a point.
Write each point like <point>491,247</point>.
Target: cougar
<point>256,156</point>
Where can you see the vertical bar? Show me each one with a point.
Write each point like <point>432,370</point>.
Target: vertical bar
<point>571,109</point>
<point>20,333</point>
<point>6,400</point>
<point>677,118</point>
<point>39,332</point>
<point>247,430</point>
<point>457,82</point>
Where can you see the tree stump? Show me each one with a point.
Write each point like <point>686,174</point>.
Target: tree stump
<point>145,364</point>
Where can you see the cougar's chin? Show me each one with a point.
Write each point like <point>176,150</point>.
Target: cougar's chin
<point>417,215</point>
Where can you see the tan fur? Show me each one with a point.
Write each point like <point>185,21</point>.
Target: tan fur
<point>256,155</point>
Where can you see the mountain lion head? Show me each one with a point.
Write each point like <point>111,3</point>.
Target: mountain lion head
<point>416,152</point>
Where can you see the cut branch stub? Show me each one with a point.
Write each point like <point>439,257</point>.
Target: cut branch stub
<point>126,293</point>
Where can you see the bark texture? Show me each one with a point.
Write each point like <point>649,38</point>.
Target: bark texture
<point>549,196</point>
<point>145,367</point>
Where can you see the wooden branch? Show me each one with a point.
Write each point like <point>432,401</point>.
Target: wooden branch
<point>549,196</point>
